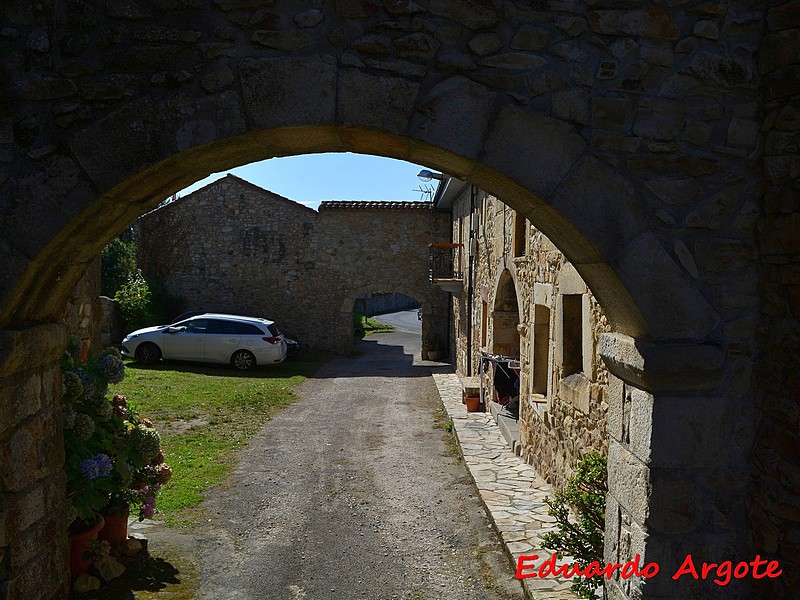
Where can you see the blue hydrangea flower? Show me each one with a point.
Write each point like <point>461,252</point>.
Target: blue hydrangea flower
<point>99,466</point>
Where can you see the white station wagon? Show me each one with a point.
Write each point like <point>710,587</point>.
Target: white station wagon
<point>244,342</point>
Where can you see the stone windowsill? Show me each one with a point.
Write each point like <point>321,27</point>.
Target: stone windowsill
<point>575,391</point>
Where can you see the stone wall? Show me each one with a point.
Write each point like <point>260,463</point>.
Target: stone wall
<point>775,490</point>
<point>83,313</point>
<point>517,268</point>
<point>33,518</point>
<point>234,247</point>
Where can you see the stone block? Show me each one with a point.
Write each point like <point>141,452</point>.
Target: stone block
<point>612,530</point>
<point>21,511</point>
<point>662,367</point>
<point>574,390</point>
<point>615,114</point>
<point>485,43</point>
<point>691,432</point>
<point>371,101</point>
<point>448,114</point>
<point>571,105</point>
<point>639,426</point>
<point>530,37</point>
<point>659,118</point>
<point>653,24</point>
<point>675,192</point>
<point>472,14</point>
<point>650,275</point>
<point>288,91</point>
<point>615,396</point>
<point>629,482</point>
<point>743,132</point>
<point>120,144</point>
<point>535,150</point>
<point>190,123</point>
<point>27,349</point>
<point>20,397</point>
<point>358,9</point>
<point>601,203</point>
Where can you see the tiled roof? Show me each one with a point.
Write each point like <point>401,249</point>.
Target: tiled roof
<point>364,204</point>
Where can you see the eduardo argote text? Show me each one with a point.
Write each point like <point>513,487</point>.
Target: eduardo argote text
<point>721,573</point>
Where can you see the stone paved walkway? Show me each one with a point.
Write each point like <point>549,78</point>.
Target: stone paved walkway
<point>512,491</point>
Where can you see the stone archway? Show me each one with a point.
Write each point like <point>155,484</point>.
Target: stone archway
<point>594,123</point>
<point>433,306</point>
<point>506,317</point>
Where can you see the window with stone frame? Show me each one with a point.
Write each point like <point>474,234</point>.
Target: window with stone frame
<point>520,235</point>
<point>540,353</point>
<point>572,334</point>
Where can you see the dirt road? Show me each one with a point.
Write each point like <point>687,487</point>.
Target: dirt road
<point>352,493</point>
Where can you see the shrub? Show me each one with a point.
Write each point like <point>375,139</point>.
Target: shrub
<point>133,299</point>
<point>583,539</point>
<point>118,261</point>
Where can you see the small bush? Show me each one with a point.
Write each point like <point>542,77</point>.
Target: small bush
<point>133,299</point>
<point>586,494</point>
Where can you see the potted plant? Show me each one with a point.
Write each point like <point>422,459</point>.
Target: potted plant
<point>113,458</point>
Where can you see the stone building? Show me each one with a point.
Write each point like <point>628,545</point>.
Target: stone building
<point>516,296</point>
<point>235,247</point>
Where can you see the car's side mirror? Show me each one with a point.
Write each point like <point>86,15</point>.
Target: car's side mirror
<point>175,329</point>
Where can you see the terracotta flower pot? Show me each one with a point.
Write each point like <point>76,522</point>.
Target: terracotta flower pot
<point>115,531</point>
<point>473,403</point>
<point>79,543</point>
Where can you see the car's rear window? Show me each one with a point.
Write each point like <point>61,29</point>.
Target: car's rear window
<point>247,329</point>
<point>273,329</point>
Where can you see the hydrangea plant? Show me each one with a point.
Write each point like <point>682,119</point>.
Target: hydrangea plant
<point>113,459</point>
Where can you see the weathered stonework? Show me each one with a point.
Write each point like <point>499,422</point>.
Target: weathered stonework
<point>681,216</point>
<point>235,247</point>
<point>84,312</point>
<point>562,416</point>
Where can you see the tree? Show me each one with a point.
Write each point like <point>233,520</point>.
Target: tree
<point>118,261</point>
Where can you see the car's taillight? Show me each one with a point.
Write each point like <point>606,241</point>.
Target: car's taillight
<point>271,340</point>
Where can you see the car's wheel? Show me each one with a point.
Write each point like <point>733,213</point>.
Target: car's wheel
<point>242,360</point>
<point>148,353</point>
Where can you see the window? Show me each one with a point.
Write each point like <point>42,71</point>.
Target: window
<point>484,323</point>
<point>541,349</point>
<point>572,319</point>
<point>248,329</point>
<point>196,326</point>
<point>520,234</point>
<point>220,327</point>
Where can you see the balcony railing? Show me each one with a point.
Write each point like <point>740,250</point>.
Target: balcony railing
<point>444,263</point>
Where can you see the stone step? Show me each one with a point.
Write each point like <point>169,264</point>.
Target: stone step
<point>509,426</point>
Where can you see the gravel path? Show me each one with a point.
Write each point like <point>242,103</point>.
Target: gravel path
<point>351,493</point>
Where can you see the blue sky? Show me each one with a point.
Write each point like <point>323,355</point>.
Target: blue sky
<point>312,178</point>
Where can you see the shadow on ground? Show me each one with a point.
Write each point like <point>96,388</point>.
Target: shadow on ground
<point>145,576</point>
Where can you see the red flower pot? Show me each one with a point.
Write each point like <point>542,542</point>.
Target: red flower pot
<point>115,531</point>
<point>79,543</point>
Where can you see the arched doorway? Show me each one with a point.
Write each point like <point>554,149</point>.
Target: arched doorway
<point>505,318</point>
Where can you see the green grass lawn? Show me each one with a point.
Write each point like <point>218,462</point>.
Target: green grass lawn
<point>204,415</point>
<point>369,325</point>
